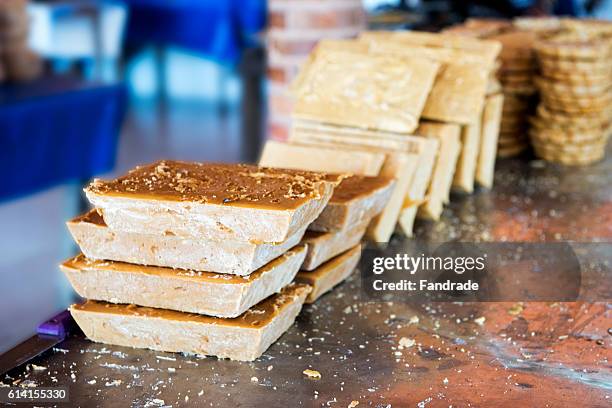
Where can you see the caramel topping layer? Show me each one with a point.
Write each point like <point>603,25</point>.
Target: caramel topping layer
<point>354,187</point>
<point>82,263</point>
<point>258,316</point>
<point>225,184</point>
<point>90,217</point>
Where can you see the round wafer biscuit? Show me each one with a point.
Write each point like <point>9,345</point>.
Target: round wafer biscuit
<point>546,85</point>
<point>560,136</point>
<point>572,110</point>
<point>578,78</point>
<point>584,126</point>
<point>569,160</point>
<point>587,102</point>
<point>590,25</point>
<point>590,67</point>
<point>549,115</point>
<point>569,149</point>
<point>584,157</point>
<point>574,45</point>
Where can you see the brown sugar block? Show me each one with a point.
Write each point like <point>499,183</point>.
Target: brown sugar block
<point>321,158</point>
<point>212,294</point>
<point>403,167</point>
<point>362,90</point>
<point>316,133</point>
<point>212,201</point>
<point>424,148</point>
<point>331,273</point>
<point>491,119</point>
<point>357,199</point>
<point>322,246</point>
<point>465,173</point>
<point>458,93</point>
<point>97,241</point>
<point>244,338</point>
<point>438,191</point>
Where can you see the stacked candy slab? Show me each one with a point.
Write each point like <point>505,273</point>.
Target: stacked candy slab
<point>195,257</point>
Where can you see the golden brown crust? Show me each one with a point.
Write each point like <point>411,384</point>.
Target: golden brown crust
<point>356,186</point>
<point>219,184</point>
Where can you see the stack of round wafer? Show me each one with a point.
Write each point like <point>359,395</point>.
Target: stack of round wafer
<point>572,121</point>
<point>518,67</point>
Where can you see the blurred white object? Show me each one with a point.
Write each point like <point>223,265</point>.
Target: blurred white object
<point>71,30</point>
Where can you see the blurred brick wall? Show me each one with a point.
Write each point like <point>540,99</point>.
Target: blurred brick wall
<point>295,27</point>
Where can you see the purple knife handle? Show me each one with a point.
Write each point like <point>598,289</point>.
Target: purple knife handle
<point>58,326</point>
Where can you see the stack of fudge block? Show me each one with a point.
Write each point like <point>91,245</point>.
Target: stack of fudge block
<point>193,257</point>
<point>418,107</point>
<point>463,99</point>
<point>364,108</point>
<point>333,239</point>
<point>201,258</point>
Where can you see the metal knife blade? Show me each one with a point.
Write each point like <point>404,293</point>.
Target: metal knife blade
<point>49,334</point>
